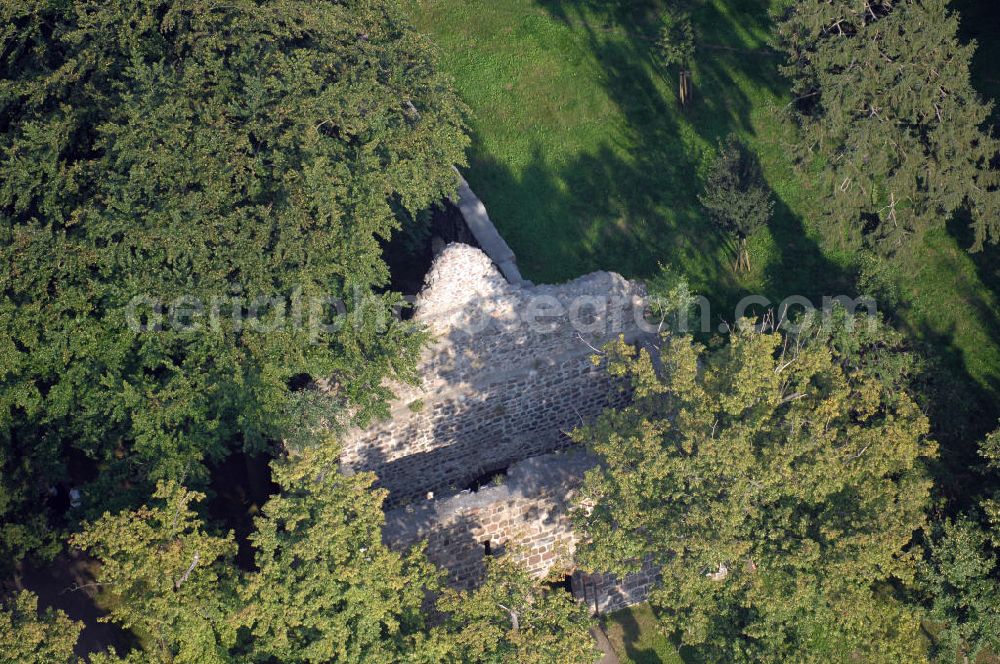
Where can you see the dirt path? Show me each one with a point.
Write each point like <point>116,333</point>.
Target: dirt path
<point>604,645</point>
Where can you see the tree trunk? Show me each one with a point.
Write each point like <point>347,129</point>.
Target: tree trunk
<point>684,87</point>
<point>742,262</point>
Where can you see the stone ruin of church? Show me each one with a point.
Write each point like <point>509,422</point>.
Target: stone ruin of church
<point>478,457</point>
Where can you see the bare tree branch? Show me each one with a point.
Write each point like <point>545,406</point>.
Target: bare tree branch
<point>194,562</point>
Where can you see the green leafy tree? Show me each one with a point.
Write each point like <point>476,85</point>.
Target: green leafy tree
<point>172,582</point>
<point>877,279</point>
<point>327,589</point>
<point>776,481</point>
<point>210,156</point>
<point>890,121</point>
<point>737,197</point>
<point>672,303</point>
<point>511,618</point>
<point>29,638</point>
<point>989,449</point>
<point>960,576</point>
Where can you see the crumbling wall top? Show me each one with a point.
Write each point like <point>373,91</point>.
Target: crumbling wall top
<point>554,475</point>
<point>460,279</point>
<point>484,325</point>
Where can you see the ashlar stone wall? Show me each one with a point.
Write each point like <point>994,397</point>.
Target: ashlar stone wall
<point>507,377</point>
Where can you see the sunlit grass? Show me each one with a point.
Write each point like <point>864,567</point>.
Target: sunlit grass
<point>634,635</point>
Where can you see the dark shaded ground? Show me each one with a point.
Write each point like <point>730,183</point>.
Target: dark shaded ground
<point>239,487</point>
<point>68,584</point>
<point>980,21</point>
<point>410,251</point>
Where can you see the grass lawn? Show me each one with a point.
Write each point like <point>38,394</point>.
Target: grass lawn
<point>586,162</point>
<point>634,636</point>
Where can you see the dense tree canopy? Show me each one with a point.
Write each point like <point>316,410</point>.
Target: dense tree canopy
<point>223,154</point>
<point>960,577</point>
<point>889,114</point>
<point>511,618</point>
<point>989,449</point>
<point>173,583</point>
<point>777,481</point>
<point>194,197</point>
<point>27,637</point>
<point>326,588</point>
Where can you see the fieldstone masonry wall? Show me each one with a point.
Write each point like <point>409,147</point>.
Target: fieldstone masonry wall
<point>508,375</point>
<point>528,512</point>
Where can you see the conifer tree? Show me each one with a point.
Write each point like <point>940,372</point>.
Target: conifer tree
<point>736,197</point>
<point>212,157</point>
<point>889,119</point>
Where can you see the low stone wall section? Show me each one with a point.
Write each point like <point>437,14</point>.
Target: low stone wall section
<point>605,593</point>
<point>477,219</point>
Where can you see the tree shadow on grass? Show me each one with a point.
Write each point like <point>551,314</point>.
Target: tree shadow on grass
<point>643,643</point>
<point>957,407</point>
<point>610,227</point>
<point>980,21</point>
<point>632,207</point>
<point>630,636</point>
<point>965,409</point>
<point>730,45</point>
<point>617,207</point>
<point>961,407</point>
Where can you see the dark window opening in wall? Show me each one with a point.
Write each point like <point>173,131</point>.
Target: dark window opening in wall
<point>566,583</point>
<point>489,478</point>
<point>487,548</point>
